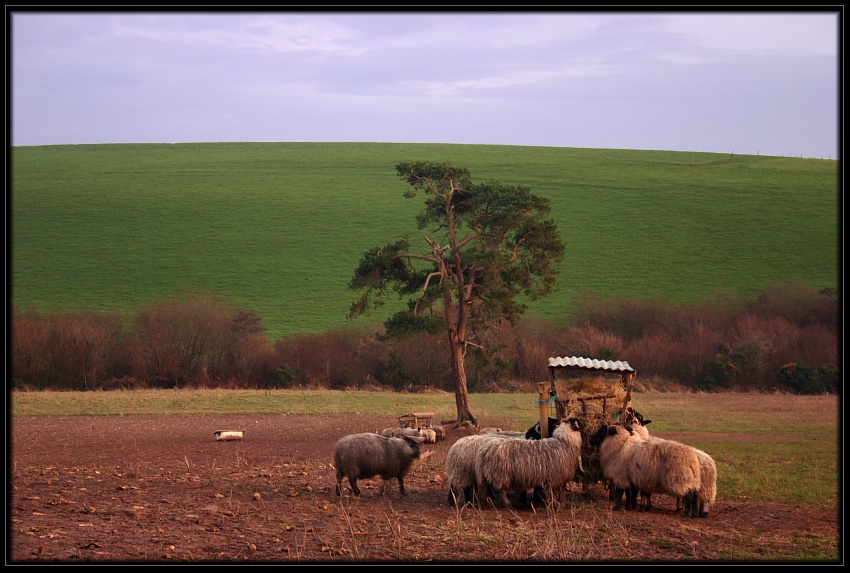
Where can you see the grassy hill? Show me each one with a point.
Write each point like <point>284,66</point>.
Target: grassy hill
<point>280,227</point>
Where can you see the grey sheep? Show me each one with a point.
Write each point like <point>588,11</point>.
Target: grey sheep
<point>362,456</point>
<point>651,465</point>
<point>512,465</point>
<point>441,432</point>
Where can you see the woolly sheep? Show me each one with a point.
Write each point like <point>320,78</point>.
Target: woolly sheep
<point>615,449</point>
<point>708,478</point>
<point>651,465</point>
<point>460,466</point>
<point>708,488</point>
<point>484,431</point>
<point>503,466</point>
<point>362,456</point>
<point>400,432</point>
<point>429,434</point>
<point>534,433</point>
<point>505,433</point>
<point>441,432</point>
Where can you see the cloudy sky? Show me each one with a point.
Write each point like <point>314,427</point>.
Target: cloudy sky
<point>757,82</point>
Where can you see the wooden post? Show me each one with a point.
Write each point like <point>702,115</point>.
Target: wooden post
<point>543,402</point>
<point>626,418</point>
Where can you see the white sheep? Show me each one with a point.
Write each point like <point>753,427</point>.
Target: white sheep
<point>400,432</point>
<point>429,434</point>
<point>489,430</point>
<point>513,465</point>
<point>501,432</point>
<point>614,456</point>
<point>460,466</point>
<point>361,456</point>
<point>708,478</point>
<point>651,465</point>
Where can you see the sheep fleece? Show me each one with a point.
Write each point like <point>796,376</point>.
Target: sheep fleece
<point>520,465</point>
<point>664,466</point>
<point>460,464</point>
<point>615,455</point>
<point>360,456</point>
<point>707,472</point>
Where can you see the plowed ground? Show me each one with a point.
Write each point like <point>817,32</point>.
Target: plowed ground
<point>162,489</point>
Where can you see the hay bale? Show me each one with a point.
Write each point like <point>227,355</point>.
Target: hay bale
<point>575,393</point>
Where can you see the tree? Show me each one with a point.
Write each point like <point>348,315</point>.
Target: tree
<point>485,245</point>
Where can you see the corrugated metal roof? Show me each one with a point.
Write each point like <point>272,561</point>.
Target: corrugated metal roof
<point>590,363</point>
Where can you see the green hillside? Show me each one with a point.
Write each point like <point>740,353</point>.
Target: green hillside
<point>280,227</point>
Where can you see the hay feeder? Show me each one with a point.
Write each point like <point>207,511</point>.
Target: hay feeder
<point>587,392</point>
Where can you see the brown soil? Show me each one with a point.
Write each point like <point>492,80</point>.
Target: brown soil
<point>161,488</point>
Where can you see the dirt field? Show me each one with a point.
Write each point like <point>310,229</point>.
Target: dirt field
<point>160,489</point>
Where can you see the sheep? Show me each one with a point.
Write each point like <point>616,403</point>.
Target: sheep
<point>508,434</point>
<point>534,432</point>
<point>361,456</point>
<point>429,434</point>
<point>629,416</point>
<point>708,478</point>
<point>400,432</point>
<point>519,465</point>
<point>441,432</point>
<point>615,449</point>
<point>708,488</point>
<point>483,431</point>
<point>460,466</point>
<point>649,465</point>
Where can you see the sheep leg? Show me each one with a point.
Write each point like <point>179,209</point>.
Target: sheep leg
<point>646,500</point>
<point>506,503</point>
<point>686,504</point>
<point>452,496</point>
<point>632,495</point>
<point>702,510</point>
<point>401,485</point>
<point>617,497</point>
<point>694,504</point>
<point>353,484</point>
<point>470,495</point>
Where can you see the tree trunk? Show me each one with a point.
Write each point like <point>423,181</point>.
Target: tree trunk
<point>464,412</point>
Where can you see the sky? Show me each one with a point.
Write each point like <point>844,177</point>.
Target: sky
<point>728,82</point>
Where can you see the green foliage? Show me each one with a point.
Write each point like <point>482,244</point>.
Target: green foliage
<point>404,323</point>
<point>284,376</point>
<point>278,227</point>
<point>803,378</point>
<point>393,373</point>
<point>485,245</point>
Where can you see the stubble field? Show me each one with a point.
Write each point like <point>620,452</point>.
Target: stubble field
<point>162,489</point>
